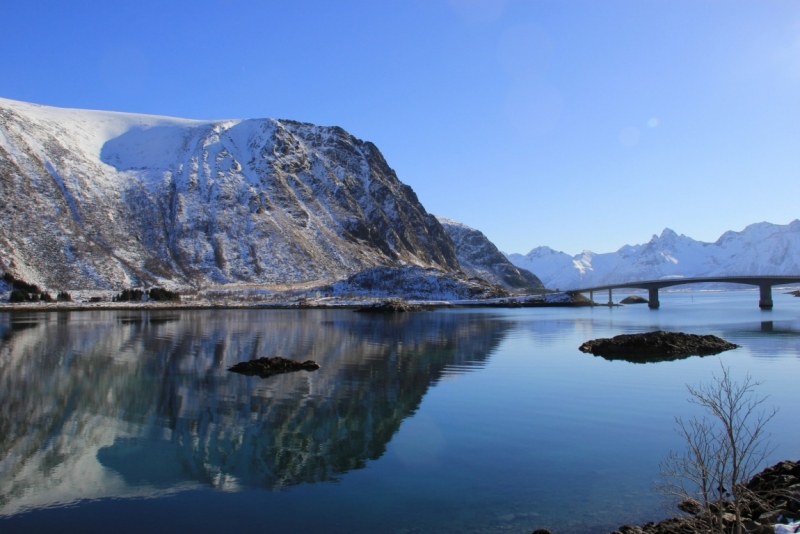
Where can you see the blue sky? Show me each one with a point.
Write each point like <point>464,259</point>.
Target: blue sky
<point>574,124</point>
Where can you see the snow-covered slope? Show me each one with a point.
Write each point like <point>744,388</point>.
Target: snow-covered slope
<point>480,258</point>
<point>92,199</point>
<point>761,248</point>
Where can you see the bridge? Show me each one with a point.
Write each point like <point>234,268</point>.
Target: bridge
<point>764,283</point>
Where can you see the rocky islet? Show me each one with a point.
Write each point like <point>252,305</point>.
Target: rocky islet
<point>656,346</point>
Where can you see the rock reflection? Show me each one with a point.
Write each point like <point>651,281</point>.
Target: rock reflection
<point>96,404</point>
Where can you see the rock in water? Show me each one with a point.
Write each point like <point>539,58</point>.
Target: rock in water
<point>634,299</point>
<point>265,367</point>
<point>656,346</point>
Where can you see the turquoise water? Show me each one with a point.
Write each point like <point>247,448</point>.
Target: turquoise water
<point>448,421</point>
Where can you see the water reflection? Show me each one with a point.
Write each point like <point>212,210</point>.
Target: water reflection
<point>96,404</point>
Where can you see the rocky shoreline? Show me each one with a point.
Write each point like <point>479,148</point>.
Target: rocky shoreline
<point>392,306</point>
<point>537,301</point>
<point>774,502</point>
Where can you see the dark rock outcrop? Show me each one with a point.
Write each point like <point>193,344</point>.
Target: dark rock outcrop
<point>392,306</point>
<point>266,367</point>
<point>690,506</point>
<point>656,346</point>
<point>480,258</point>
<point>634,299</point>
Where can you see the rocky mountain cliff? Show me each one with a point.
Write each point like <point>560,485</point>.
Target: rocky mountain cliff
<point>480,258</point>
<point>105,200</point>
<point>761,248</point>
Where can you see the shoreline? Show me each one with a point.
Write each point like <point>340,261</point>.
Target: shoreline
<point>245,300</point>
<point>206,305</point>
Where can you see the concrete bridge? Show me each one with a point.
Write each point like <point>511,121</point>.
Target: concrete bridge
<point>764,283</point>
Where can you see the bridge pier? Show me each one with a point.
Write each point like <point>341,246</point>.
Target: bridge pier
<point>765,300</point>
<point>610,301</point>
<point>652,294</point>
<point>591,298</point>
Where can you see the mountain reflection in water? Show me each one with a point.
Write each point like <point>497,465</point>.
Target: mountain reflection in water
<point>98,404</point>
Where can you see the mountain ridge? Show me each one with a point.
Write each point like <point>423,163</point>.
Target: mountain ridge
<point>761,248</point>
<point>480,258</point>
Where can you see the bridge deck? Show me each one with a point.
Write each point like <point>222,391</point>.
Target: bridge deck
<point>658,284</point>
<point>763,282</point>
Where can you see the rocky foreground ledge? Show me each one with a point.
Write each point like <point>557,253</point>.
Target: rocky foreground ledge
<point>656,346</point>
<point>266,367</point>
<point>774,502</point>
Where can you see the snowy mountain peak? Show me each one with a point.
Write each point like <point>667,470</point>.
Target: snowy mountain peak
<point>669,233</point>
<point>543,251</point>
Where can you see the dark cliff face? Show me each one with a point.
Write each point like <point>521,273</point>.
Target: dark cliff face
<point>480,258</point>
<point>392,219</point>
<point>198,203</point>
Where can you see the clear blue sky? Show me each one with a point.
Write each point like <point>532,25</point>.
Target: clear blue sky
<point>575,124</point>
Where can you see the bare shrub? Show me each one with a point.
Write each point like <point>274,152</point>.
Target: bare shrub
<point>724,449</point>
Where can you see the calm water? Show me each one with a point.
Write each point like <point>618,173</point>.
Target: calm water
<point>450,421</point>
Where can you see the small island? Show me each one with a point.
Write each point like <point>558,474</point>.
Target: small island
<point>634,299</point>
<point>656,346</point>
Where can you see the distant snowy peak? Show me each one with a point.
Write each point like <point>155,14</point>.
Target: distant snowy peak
<point>762,230</point>
<point>94,199</point>
<point>544,252</point>
<point>761,248</point>
<point>480,258</point>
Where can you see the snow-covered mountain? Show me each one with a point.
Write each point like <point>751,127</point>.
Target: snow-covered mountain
<point>761,248</point>
<point>480,258</point>
<point>105,200</point>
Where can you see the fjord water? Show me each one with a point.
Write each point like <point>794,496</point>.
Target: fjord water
<point>456,420</point>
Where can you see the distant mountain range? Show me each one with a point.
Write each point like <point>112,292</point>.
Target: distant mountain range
<point>105,200</point>
<point>761,248</point>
